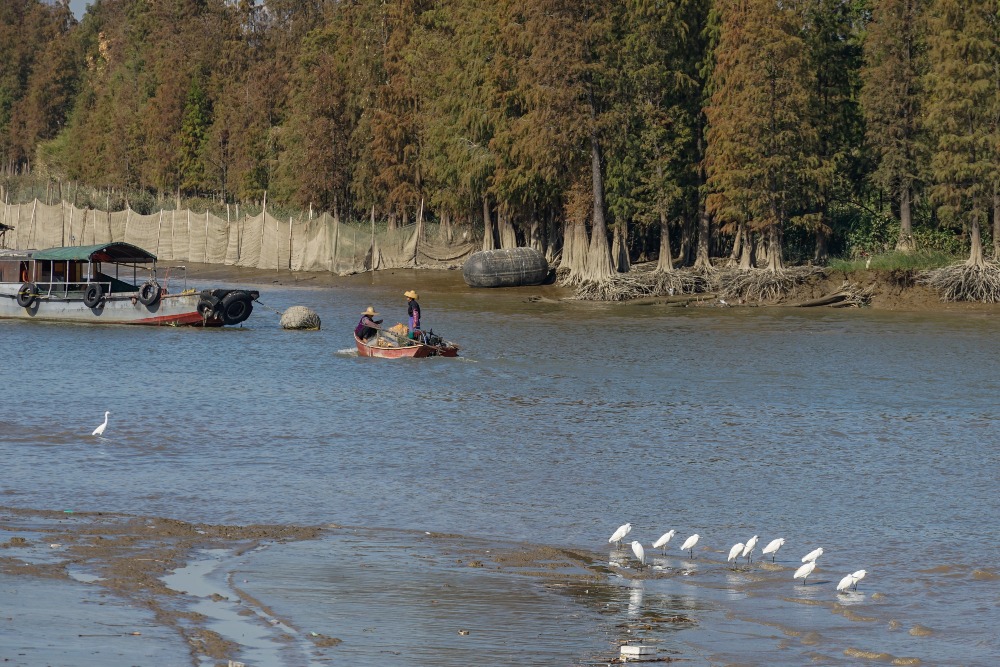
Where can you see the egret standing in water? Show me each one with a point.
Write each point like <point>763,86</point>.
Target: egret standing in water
<point>639,552</point>
<point>662,542</point>
<point>858,576</point>
<point>805,571</point>
<point>620,534</point>
<point>812,555</point>
<point>735,552</point>
<point>748,549</point>
<point>689,544</point>
<point>845,583</point>
<point>773,546</point>
<point>100,429</point>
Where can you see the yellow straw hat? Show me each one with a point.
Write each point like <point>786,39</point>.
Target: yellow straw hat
<point>370,312</point>
<point>410,294</point>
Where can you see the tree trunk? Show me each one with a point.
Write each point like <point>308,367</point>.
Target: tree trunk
<point>760,250</point>
<point>599,265</point>
<point>619,252</point>
<point>976,258</point>
<point>535,231</point>
<point>445,230</point>
<point>666,262</point>
<point>774,260</point>
<point>822,253</point>
<point>746,249</point>
<point>996,221</point>
<point>551,242</point>
<point>574,251</point>
<point>905,243</point>
<point>737,252</point>
<point>703,259</point>
<point>508,237</point>
<point>684,252</point>
<point>489,240</point>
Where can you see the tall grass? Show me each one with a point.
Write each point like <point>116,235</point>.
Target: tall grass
<point>890,261</point>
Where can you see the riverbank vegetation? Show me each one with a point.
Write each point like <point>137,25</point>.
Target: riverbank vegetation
<point>735,144</point>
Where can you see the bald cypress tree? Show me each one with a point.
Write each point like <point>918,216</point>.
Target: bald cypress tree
<point>962,86</point>
<point>761,157</point>
<point>891,99</point>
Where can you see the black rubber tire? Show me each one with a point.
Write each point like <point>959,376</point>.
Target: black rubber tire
<point>149,293</point>
<point>27,295</point>
<point>208,306</point>
<point>236,307</point>
<point>93,296</point>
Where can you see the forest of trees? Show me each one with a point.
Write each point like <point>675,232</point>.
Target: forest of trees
<point>762,132</point>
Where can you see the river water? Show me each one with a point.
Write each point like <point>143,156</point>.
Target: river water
<point>870,434</point>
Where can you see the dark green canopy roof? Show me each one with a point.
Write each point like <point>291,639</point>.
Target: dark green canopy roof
<point>103,252</point>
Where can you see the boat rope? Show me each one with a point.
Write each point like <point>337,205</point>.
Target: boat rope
<point>279,313</point>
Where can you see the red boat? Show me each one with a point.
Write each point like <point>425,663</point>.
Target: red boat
<point>405,348</point>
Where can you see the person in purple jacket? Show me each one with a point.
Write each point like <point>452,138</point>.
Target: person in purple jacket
<point>368,326</point>
<point>412,311</point>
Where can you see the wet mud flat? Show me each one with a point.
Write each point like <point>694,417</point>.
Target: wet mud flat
<point>113,589</point>
<point>95,588</point>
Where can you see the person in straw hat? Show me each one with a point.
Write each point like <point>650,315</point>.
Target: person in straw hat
<point>412,311</point>
<point>368,326</point>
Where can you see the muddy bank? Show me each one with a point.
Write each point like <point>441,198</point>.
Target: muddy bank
<point>884,290</point>
<point>123,590</point>
<point>127,558</point>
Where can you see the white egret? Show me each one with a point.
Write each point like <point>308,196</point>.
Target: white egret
<point>100,429</point>
<point>812,555</point>
<point>845,583</point>
<point>662,542</point>
<point>689,544</point>
<point>620,534</point>
<point>639,552</point>
<point>773,546</point>
<point>748,549</point>
<point>804,571</point>
<point>735,552</point>
<point>858,576</point>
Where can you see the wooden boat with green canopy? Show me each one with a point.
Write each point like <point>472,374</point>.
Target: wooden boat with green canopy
<point>110,283</point>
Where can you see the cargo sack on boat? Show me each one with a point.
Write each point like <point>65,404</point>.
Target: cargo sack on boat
<point>512,267</point>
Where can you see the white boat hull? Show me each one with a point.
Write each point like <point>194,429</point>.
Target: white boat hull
<point>170,309</point>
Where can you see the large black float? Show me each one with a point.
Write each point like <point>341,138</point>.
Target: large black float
<point>512,267</point>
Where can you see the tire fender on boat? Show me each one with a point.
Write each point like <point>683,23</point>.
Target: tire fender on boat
<point>149,293</point>
<point>27,295</point>
<point>236,307</point>
<point>208,305</point>
<point>93,295</point>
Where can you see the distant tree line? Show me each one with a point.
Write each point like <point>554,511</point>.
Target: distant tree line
<point>604,131</point>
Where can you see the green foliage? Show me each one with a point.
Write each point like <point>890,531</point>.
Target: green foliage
<point>872,235</point>
<point>941,241</point>
<point>197,119</point>
<point>349,105</point>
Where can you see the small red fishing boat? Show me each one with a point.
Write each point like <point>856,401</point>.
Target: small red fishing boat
<point>397,347</point>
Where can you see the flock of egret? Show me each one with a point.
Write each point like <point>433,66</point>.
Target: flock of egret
<point>738,551</point>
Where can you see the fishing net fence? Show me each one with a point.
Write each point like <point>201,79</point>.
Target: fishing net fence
<point>262,241</point>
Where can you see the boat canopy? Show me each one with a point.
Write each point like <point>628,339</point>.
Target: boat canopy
<point>119,252</point>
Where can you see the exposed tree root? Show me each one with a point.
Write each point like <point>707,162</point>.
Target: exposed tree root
<point>757,285</point>
<point>848,295</point>
<point>961,282</point>
<point>640,283</point>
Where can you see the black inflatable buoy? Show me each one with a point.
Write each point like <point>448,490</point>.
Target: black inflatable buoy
<point>512,267</point>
